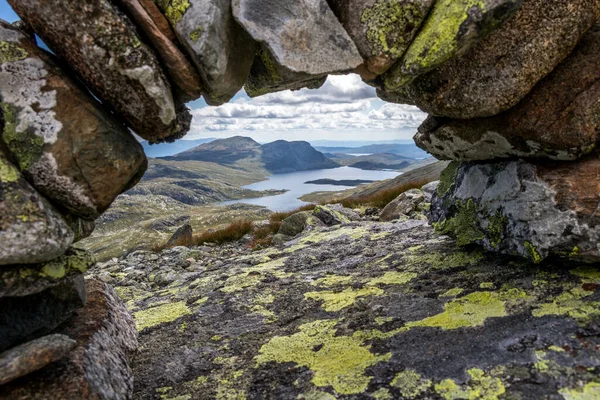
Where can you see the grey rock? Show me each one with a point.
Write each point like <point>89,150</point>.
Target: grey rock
<point>330,215</point>
<point>182,236</point>
<point>429,189</point>
<point>294,224</point>
<point>111,59</point>
<point>26,317</point>
<point>500,70</point>
<point>34,355</point>
<point>31,229</point>
<point>405,205</point>
<point>381,29</point>
<point>531,209</point>
<point>301,39</point>
<point>220,49</point>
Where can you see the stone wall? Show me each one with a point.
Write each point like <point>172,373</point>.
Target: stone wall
<point>511,86</point>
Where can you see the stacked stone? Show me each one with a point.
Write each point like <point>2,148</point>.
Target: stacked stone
<point>518,110</point>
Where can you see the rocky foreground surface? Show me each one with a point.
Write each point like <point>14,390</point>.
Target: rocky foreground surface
<point>361,310</point>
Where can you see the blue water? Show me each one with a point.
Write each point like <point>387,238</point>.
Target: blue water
<point>294,183</point>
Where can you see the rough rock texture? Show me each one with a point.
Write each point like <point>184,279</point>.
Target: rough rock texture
<point>558,119</point>
<point>296,223</point>
<point>121,70</point>
<point>530,209</point>
<point>26,317</point>
<point>331,214</point>
<point>98,367</point>
<point>67,147</point>
<point>34,355</point>
<point>411,203</point>
<point>31,229</point>
<point>429,189</point>
<point>183,74</point>
<point>495,74</point>
<point>182,236</point>
<point>452,27</point>
<point>381,29</point>
<point>361,311</point>
<point>302,38</point>
<point>220,49</point>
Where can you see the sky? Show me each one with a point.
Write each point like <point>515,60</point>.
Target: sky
<point>344,108</point>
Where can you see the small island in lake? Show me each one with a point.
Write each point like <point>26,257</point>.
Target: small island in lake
<point>344,182</point>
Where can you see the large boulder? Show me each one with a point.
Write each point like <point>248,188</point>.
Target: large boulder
<point>111,59</point>
<point>71,150</point>
<point>98,368</point>
<point>558,119</point>
<point>381,29</point>
<point>411,203</point>
<point>302,41</point>
<point>451,28</point>
<point>31,229</point>
<point>220,49</point>
<point>499,71</point>
<point>531,209</point>
<point>183,236</point>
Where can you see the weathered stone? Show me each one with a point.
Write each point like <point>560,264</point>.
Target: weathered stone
<point>429,189</point>
<point>532,209</point>
<point>183,74</point>
<point>66,146</point>
<point>98,368</point>
<point>28,279</point>
<point>220,49</point>
<point>34,355</point>
<point>295,224</point>
<point>81,228</point>
<point>111,59</point>
<point>183,236</point>
<point>499,71</point>
<point>558,119</point>
<point>26,317</point>
<point>300,39</point>
<point>405,205</point>
<point>330,215</point>
<point>31,229</point>
<point>452,27</point>
<point>267,76</point>
<point>381,29</point>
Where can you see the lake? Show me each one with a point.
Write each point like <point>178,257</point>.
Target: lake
<point>294,183</point>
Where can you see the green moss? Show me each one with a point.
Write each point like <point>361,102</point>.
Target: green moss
<point>195,34</point>
<point>160,314</point>
<point>174,10</point>
<point>480,386</point>
<point>11,52</point>
<point>337,361</point>
<point>533,253</point>
<point>8,173</point>
<point>410,383</point>
<point>391,24</point>
<point>447,178</point>
<point>335,301</point>
<point>26,146</point>
<point>495,229</point>
<point>464,225</point>
<point>591,391</point>
<point>54,269</point>
<point>392,278</point>
<point>259,84</point>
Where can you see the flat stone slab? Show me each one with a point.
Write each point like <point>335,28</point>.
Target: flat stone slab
<point>69,149</point>
<point>367,310</point>
<point>111,59</point>
<point>34,355</point>
<point>303,36</point>
<point>530,209</point>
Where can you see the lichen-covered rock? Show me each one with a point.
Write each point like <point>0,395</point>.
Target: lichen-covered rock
<point>220,49</point>
<point>82,228</point>
<point>183,74</point>
<point>381,29</point>
<point>367,310</point>
<point>29,316</point>
<point>111,59</point>
<point>452,27</point>
<point>98,368</point>
<point>429,189</point>
<point>66,146</point>
<point>499,71</point>
<point>529,209</point>
<point>182,236</point>
<point>408,204</point>
<point>33,355</point>
<point>296,223</point>
<point>558,119</point>
<point>302,41</point>
<point>31,229</point>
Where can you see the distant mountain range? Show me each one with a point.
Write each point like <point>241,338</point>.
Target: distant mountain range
<point>168,149</point>
<point>277,157</point>
<point>408,150</point>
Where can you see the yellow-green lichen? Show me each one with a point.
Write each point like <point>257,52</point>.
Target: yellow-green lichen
<point>332,280</point>
<point>533,252</point>
<point>8,173</point>
<point>336,301</point>
<point>381,394</point>
<point>316,395</point>
<point>444,261</point>
<point>11,52</point>
<point>390,25</point>
<point>392,278</point>
<point>463,225</point>
<point>591,391</point>
<point>486,285</point>
<point>447,178</point>
<point>196,33</point>
<point>480,386</point>
<point>452,292</point>
<point>570,303</point>
<point>383,320</point>
<point>337,361</point>
<point>410,383</point>
<point>54,269</point>
<point>25,146</point>
<point>496,225</point>
<point>174,10</point>
<point>160,314</point>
